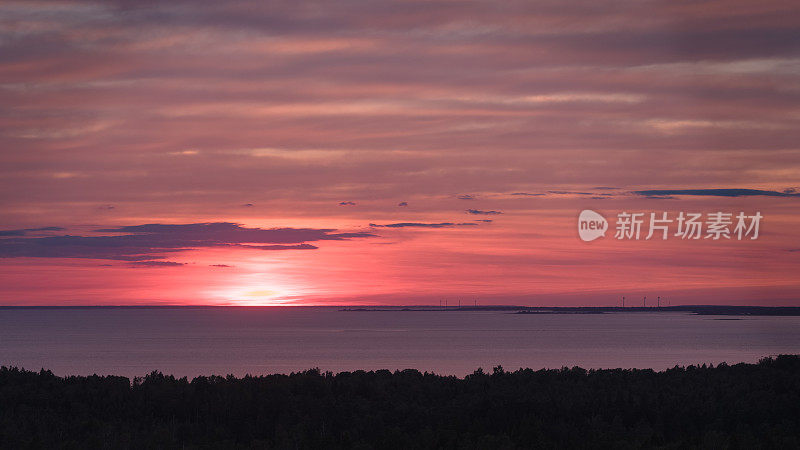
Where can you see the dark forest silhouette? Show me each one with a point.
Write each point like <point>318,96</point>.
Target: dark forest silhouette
<point>738,406</point>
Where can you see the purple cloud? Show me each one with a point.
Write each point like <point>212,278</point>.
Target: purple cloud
<point>665,193</point>
<point>154,241</point>
<point>421,225</point>
<point>25,231</point>
<point>483,213</point>
<point>156,264</point>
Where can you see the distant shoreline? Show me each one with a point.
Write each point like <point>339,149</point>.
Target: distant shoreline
<point>705,310</point>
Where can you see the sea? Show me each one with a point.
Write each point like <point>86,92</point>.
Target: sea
<point>264,340</point>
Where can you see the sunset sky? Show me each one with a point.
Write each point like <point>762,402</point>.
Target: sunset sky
<point>377,152</point>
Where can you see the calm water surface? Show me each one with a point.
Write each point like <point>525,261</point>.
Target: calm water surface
<point>190,342</point>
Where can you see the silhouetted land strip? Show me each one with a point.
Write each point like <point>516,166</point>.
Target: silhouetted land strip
<point>743,406</point>
<point>711,310</point>
<point>706,310</point>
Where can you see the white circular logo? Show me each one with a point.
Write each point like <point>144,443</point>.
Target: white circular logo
<point>591,225</point>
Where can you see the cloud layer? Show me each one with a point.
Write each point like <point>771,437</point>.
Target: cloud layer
<point>107,104</point>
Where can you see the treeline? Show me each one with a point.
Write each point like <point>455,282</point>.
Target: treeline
<point>740,406</point>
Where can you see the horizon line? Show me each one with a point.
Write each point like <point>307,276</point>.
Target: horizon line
<point>435,307</point>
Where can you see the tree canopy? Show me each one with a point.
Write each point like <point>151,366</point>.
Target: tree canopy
<point>737,406</point>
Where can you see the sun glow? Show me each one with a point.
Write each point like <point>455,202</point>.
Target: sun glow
<point>247,293</point>
<point>267,294</point>
<point>257,288</point>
